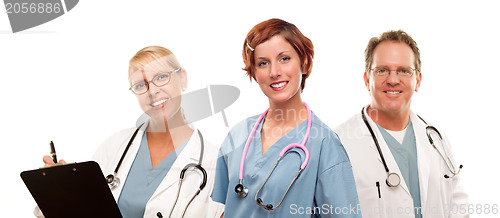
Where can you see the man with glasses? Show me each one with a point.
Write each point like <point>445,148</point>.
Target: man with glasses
<point>402,166</point>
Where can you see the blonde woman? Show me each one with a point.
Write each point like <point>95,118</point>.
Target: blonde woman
<point>144,164</point>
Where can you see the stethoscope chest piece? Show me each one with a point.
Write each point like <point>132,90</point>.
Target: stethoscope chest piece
<point>112,181</point>
<point>241,190</point>
<point>393,180</point>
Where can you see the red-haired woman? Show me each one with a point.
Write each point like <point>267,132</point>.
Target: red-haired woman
<point>284,162</point>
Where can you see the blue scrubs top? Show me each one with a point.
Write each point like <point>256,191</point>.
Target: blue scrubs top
<point>143,179</point>
<point>325,188</point>
<point>406,157</point>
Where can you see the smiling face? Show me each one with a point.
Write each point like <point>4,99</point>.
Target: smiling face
<point>163,102</point>
<point>278,70</point>
<point>392,94</point>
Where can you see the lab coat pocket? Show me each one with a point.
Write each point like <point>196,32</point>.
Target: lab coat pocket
<point>371,203</point>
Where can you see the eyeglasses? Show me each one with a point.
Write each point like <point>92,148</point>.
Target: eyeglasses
<point>402,71</point>
<point>158,80</point>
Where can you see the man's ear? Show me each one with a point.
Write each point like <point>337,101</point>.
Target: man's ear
<point>367,81</point>
<point>419,79</point>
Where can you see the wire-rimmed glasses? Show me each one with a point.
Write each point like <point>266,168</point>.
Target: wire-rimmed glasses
<point>401,71</point>
<point>159,80</point>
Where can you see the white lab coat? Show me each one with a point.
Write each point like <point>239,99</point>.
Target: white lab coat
<point>439,196</point>
<point>110,152</point>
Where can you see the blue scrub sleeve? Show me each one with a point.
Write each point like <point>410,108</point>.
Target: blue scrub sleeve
<point>336,192</point>
<point>221,183</point>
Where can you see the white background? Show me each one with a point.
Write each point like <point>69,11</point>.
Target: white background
<point>66,80</point>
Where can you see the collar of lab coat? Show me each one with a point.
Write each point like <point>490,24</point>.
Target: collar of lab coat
<point>190,154</point>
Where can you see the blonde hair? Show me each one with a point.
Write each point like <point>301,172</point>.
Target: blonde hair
<point>153,57</point>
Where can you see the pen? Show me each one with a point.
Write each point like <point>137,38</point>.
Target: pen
<point>53,152</point>
<point>378,187</point>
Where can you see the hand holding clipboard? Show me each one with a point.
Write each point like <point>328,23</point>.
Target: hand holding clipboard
<point>70,190</point>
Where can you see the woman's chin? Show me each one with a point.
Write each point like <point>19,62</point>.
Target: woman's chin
<point>169,119</point>
<point>282,98</point>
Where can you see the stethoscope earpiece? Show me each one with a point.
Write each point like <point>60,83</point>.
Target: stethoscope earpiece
<point>453,173</point>
<point>241,190</point>
<point>267,206</point>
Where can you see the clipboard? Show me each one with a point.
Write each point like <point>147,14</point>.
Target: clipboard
<point>71,190</point>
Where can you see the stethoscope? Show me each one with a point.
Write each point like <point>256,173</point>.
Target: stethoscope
<point>447,160</point>
<point>113,181</point>
<point>242,190</point>
<point>393,179</point>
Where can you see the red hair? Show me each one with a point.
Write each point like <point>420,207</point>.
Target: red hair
<point>272,27</point>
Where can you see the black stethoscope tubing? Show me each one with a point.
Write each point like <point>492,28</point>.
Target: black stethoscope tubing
<point>393,179</point>
<point>126,149</point>
<point>374,139</point>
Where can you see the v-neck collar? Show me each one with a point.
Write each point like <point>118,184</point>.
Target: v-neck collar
<point>257,159</point>
<point>164,164</point>
<point>389,137</point>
